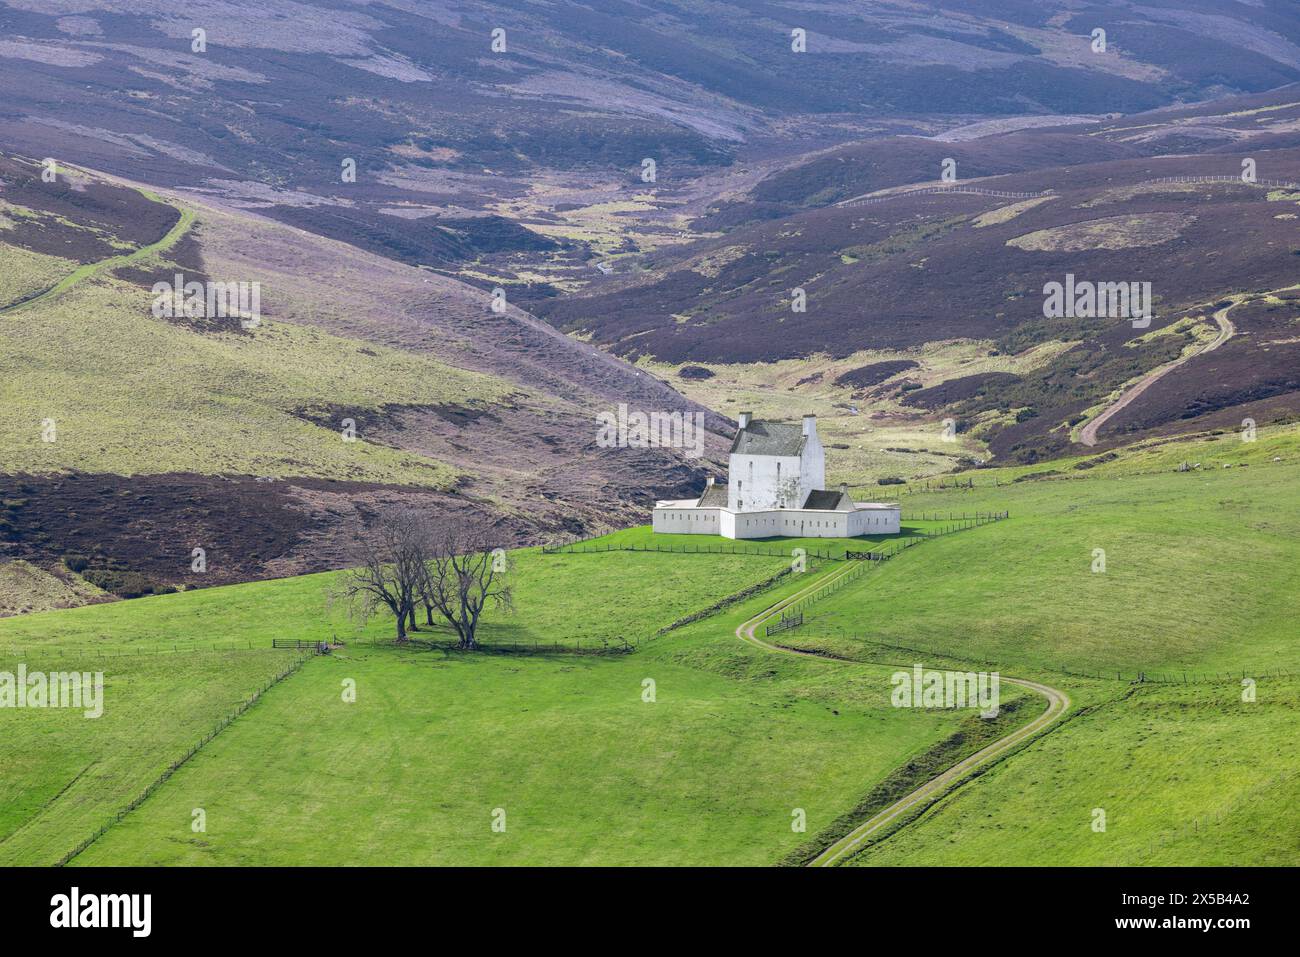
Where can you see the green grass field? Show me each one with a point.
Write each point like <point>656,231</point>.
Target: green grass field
<point>1201,573</point>
<point>592,772</point>
<point>27,273</point>
<point>558,598</point>
<point>1184,774</point>
<point>66,775</point>
<point>1201,576</point>
<point>585,770</point>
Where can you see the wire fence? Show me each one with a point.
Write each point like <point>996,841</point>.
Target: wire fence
<point>785,624</point>
<point>963,519</point>
<point>176,764</point>
<point>117,652</point>
<point>927,190</point>
<point>762,551</point>
<point>859,569</point>
<point>957,524</point>
<point>1261,183</point>
<point>1127,676</point>
<point>1143,676</point>
<point>573,645</point>
<point>731,599</point>
<point>1202,822</point>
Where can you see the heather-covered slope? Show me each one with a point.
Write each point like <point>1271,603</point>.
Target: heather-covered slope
<point>457,142</point>
<point>130,440</point>
<point>923,305</point>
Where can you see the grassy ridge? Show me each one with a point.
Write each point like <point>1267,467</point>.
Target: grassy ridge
<point>558,598</point>
<point>131,394</point>
<point>1201,573</point>
<point>26,273</point>
<point>25,588</point>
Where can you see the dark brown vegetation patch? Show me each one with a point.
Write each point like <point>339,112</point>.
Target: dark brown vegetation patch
<point>76,220</point>
<point>957,390</point>
<point>874,374</point>
<point>132,535</point>
<point>695,373</point>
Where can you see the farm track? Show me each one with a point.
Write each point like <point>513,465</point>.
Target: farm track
<point>1088,434</point>
<point>91,270</point>
<point>1058,704</point>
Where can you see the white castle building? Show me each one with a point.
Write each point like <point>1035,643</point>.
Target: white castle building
<point>776,486</point>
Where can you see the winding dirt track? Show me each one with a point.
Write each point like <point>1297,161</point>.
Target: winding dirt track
<point>1058,703</point>
<point>1088,434</point>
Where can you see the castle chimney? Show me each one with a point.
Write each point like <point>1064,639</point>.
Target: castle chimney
<point>710,481</point>
<point>809,424</point>
<point>744,419</point>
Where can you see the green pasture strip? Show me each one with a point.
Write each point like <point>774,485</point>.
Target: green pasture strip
<point>585,770</point>
<point>67,775</point>
<point>1177,775</point>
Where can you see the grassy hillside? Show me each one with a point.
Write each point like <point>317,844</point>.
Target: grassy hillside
<point>1184,774</point>
<point>25,588</point>
<point>364,383</point>
<point>1185,553</point>
<point>585,770</point>
<point>1204,583</point>
<point>588,772</point>
<point>27,273</point>
<point>131,393</point>
<point>67,775</point>
<point>558,598</point>
<point>1200,576</point>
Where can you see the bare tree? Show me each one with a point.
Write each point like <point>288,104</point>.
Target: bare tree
<point>388,562</point>
<point>463,573</point>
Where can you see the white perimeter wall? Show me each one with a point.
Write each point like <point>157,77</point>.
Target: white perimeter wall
<point>768,524</point>
<point>875,521</point>
<point>798,523</point>
<point>686,521</point>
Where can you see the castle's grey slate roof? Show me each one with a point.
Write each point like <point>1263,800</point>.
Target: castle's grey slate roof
<point>762,437</point>
<point>826,499</point>
<point>715,496</point>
